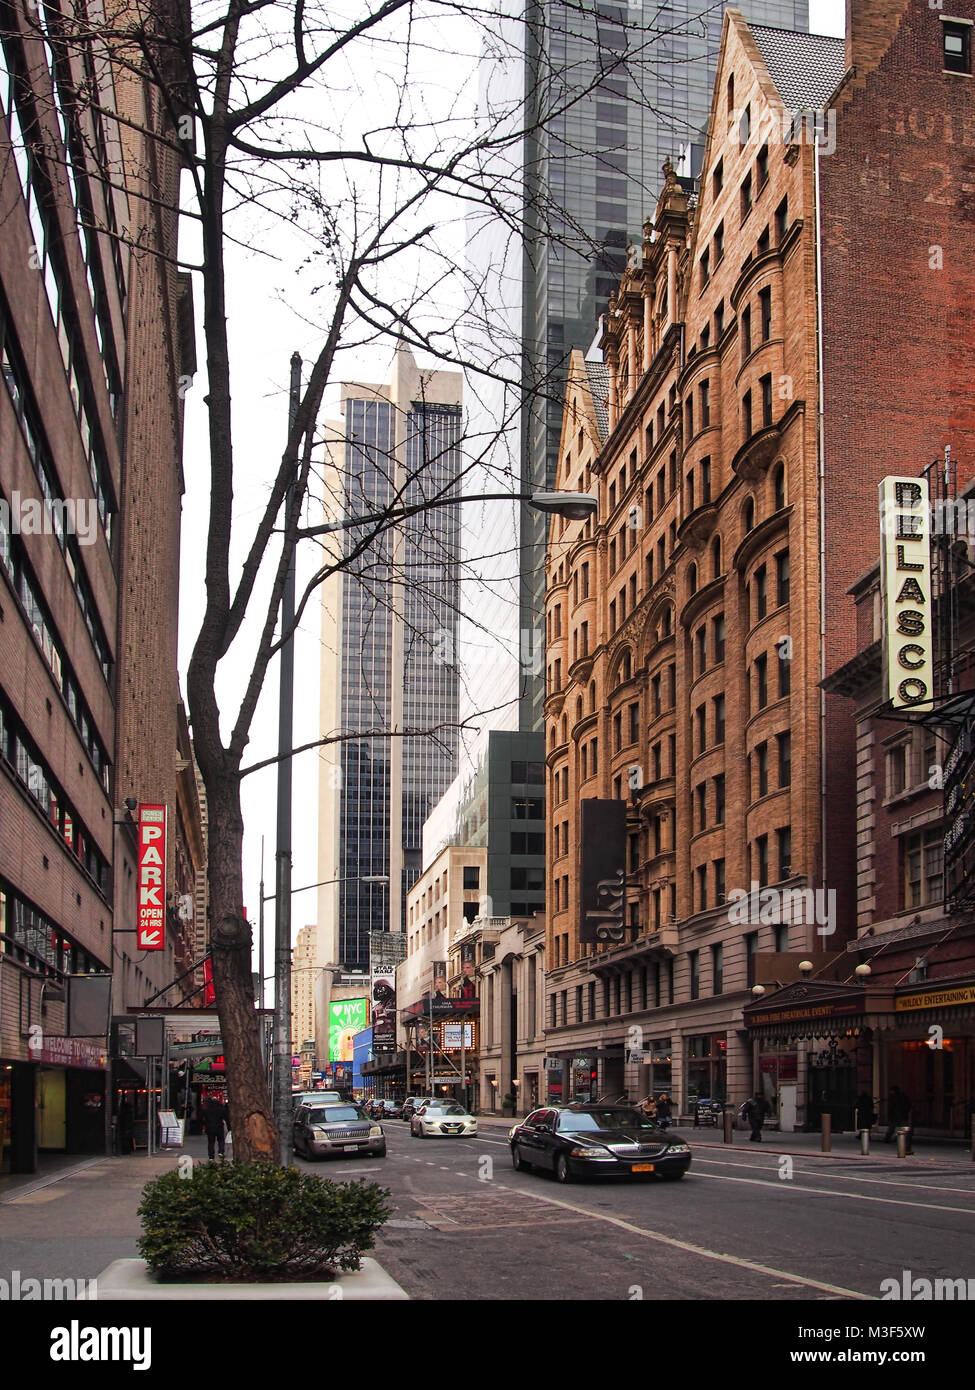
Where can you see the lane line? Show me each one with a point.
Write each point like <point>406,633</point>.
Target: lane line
<point>787,1185</point>
<point>848,1177</point>
<point>738,1261</point>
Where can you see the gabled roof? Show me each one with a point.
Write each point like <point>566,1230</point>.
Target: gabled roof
<point>598,375</point>
<point>806,68</point>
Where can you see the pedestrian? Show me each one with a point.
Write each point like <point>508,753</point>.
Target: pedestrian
<point>664,1112</point>
<point>649,1108</point>
<point>125,1127</point>
<point>755,1112</point>
<point>216,1120</point>
<point>898,1115</point>
<point>866,1116</point>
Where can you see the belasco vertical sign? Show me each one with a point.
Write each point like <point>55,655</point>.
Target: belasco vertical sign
<point>905,585</point>
<point>151,934</point>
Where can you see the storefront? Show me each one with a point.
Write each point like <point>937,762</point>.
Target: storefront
<point>929,1052</point>
<point>53,1104</point>
<point>705,1068</point>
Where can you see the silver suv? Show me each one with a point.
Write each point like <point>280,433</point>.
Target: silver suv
<point>321,1131</point>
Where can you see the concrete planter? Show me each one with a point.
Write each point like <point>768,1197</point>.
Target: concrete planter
<point>131,1280</point>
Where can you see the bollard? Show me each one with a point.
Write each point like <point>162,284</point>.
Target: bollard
<point>827,1123</point>
<point>729,1126</point>
<point>864,1141</point>
<point>902,1143</point>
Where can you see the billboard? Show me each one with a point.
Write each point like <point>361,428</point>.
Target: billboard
<point>907,620</point>
<point>151,931</point>
<point>346,1017</point>
<point>602,906</point>
<point>383,1007</point>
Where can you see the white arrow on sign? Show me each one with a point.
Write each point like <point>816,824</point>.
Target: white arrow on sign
<point>150,940</point>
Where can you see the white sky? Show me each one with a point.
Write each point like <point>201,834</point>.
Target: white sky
<point>264,333</point>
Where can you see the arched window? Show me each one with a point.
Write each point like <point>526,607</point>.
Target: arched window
<point>665,622</point>
<point>625,669</point>
<point>716,557</point>
<point>748,515</point>
<point>578,708</point>
<point>565,728</point>
<point>592,697</point>
<point>778,486</point>
<point>692,578</point>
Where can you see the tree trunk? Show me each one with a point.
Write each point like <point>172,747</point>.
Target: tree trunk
<point>251,1120</point>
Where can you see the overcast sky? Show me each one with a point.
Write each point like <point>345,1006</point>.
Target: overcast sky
<point>265,331</point>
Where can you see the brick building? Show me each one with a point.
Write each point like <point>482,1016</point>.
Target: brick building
<point>95,338</point>
<point>689,629</point>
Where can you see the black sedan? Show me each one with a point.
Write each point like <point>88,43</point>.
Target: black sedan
<point>596,1140</point>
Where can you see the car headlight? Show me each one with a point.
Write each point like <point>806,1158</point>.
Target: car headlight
<point>588,1153</point>
<point>513,1131</point>
<point>375,1131</point>
<point>678,1148</point>
<point>319,1133</point>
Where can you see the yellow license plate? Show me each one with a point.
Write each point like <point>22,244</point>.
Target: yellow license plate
<point>643,1167</point>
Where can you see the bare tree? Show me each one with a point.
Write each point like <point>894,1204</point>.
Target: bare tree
<point>339,124</point>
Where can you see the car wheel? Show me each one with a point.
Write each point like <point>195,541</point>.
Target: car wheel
<point>382,1152</point>
<point>563,1173</point>
<point>518,1163</point>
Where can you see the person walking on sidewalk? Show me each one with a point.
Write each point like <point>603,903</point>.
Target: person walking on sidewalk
<point>216,1119</point>
<point>898,1115</point>
<point>755,1112</point>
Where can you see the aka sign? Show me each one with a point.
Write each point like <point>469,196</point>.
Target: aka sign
<point>151,935</point>
<point>905,589</point>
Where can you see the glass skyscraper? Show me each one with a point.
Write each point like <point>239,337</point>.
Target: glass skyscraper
<point>389,624</point>
<point>632,86</point>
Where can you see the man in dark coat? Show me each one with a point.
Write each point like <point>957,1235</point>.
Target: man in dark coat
<point>898,1114</point>
<point>755,1112</point>
<point>216,1121</point>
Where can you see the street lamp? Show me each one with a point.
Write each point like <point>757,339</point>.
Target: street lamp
<point>574,506</point>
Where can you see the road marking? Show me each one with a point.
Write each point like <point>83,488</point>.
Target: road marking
<point>690,1248</point>
<point>849,1177</point>
<point>789,1186</point>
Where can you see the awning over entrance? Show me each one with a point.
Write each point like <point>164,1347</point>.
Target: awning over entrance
<point>811,1010</point>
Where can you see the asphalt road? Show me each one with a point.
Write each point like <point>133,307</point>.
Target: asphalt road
<point>743,1225</point>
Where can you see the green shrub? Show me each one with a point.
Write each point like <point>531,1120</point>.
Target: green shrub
<point>256,1221</point>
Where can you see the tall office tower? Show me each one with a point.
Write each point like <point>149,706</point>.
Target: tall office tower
<point>633,85</point>
<point>389,620</point>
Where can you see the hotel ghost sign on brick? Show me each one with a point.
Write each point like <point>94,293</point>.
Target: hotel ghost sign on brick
<point>151,935</point>
<point>905,591</point>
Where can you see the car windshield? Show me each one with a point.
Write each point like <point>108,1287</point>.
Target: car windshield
<point>589,1120</point>
<point>333,1115</point>
<point>449,1108</point>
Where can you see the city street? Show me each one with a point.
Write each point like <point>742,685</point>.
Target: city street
<point>467,1226</point>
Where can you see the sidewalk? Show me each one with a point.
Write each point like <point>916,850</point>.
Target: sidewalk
<point>845,1146</point>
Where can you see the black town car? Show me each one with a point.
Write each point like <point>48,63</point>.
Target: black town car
<point>595,1140</point>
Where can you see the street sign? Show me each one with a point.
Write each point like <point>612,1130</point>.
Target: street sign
<point>151,932</point>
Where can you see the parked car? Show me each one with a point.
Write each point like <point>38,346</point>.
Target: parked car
<point>596,1140</point>
<point>442,1117</point>
<point>316,1098</point>
<point>386,1109</point>
<point>321,1131</point>
<point>411,1104</point>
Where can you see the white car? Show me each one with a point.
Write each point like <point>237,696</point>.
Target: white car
<point>440,1118</point>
